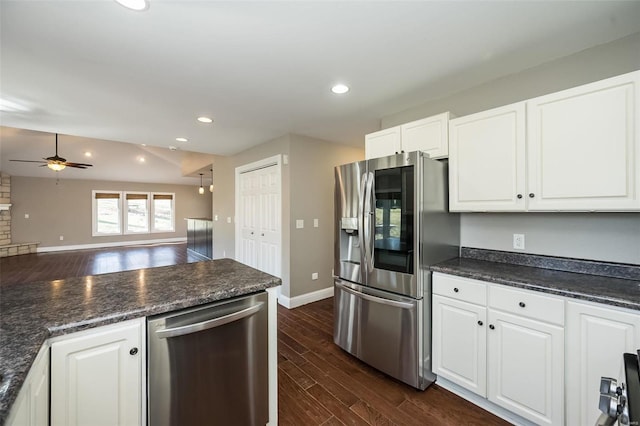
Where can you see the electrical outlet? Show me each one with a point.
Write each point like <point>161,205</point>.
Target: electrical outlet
<point>228,220</point>
<point>518,241</point>
<point>314,276</point>
<point>26,215</point>
<point>61,237</point>
<point>315,223</point>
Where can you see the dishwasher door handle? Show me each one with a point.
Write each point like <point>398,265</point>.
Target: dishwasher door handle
<point>205,325</point>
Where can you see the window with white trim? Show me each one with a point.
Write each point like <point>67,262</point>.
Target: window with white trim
<point>107,213</point>
<point>136,216</point>
<point>132,212</point>
<point>162,208</point>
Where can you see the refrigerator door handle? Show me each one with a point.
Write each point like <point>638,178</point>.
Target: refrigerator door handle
<point>376,299</point>
<point>369,215</point>
<point>361,226</point>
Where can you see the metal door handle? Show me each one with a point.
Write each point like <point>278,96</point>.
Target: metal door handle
<point>368,241</point>
<point>205,325</point>
<point>480,323</point>
<point>383,301</point>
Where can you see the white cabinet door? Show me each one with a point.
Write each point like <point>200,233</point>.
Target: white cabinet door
<point>487,160</point>
<point>460,343</point>
<point>31,407</point>
<point>584,147</point>
<point>97,376</point>
<point>526,367</point>
<point>382,143</point>
<point>430,135</point>
<point>597,336</point>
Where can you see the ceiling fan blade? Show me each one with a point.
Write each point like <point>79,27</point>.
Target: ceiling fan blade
<point>83,165</point>
<point>30,161</point>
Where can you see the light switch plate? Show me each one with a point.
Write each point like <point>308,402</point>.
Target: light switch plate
<point>314,276</point>
<point>300,223</point>
<point>315,223</point>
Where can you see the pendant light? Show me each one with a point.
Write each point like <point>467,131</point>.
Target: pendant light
<point>201,189</point>
<point>211,186</point>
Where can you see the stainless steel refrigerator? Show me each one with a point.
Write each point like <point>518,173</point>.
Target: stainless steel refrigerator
<point>392,222</point>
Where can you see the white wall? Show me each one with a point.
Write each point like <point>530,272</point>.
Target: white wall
<point>611,237</point>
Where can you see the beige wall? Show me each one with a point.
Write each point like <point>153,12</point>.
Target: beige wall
<point>603,236</point>
<point>63,207</point>
<point>307,193</point>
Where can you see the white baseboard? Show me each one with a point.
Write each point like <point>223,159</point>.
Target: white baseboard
<point>114,244</point>
<point>303,299</point>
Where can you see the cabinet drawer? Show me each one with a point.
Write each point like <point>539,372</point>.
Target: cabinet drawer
<point>527,304</point>
<point>459,288</point>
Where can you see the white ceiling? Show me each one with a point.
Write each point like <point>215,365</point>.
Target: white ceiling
<point>262,69</point>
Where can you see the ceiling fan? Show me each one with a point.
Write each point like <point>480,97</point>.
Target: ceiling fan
<point>56,162</point>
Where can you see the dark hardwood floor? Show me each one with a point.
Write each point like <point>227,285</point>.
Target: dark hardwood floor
<point>78,263</point>
<point>318,383</point>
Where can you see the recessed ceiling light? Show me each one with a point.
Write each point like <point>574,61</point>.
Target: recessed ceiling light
<point>88,154</point>
<point>205,120</point>
<point>339,89</point>
<point>144,144</point>
<point>141,159</point>
<point>172,148</point>
<point>134,4</point>
<point>182,139</point>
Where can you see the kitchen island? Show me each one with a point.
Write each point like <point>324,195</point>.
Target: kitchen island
<point>32,313</point>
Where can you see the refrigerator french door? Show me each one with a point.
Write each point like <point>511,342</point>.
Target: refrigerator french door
<point>392,222</point>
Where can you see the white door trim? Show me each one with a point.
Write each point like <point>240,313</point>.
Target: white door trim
<point>275,160</point>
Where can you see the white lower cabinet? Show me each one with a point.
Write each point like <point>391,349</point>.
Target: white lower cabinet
<point>597,336</point>
<point>31,407</point>
<point>526,367</point>
<point>460,343</point>
<point>501,343</point>
<point>97,376</point>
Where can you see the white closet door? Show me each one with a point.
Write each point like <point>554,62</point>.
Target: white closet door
<point>260,219</point>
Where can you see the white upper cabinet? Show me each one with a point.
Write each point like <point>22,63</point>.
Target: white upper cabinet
<point>430,135</point>
<point>382,143</point>
<point>583,149</point>
<point>487,160</point>
<point>575,150</point>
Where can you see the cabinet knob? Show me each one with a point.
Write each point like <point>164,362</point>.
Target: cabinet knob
<point>456,289</point>
<point>480,323</point>
<point>531,195</point>
<point>491,326</point>
<point>519,196</point>
<point>521,304</point>
<point>251,232</point>
<point>262,234</point>
<point>133,351</point>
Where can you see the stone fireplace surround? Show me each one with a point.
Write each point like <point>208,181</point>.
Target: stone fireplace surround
<point>7,248</point>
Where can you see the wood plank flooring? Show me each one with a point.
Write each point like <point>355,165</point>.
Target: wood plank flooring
<point>318,383</point>
<point>79,263</point>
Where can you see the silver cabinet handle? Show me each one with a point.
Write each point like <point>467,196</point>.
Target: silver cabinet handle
<point>205,325</point>
<point>376,299</point>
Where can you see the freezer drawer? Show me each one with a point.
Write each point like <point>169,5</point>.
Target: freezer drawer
<point>382,329</point>
<point>209,365</point>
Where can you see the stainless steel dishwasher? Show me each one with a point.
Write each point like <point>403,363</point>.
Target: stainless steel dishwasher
<point>209,365</point>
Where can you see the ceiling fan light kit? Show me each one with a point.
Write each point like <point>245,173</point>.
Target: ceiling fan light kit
<point>56,163</point>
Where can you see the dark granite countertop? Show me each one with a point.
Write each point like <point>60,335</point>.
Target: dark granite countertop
<point>30,313</point>
<point>535,274</point>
